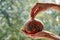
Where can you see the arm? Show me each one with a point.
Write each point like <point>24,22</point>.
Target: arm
<point>42,34</point>
<point>39,7</point>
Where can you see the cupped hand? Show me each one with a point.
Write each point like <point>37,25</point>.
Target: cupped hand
<point>42,34</point>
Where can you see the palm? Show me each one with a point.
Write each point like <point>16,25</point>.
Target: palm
<point>42,34</point>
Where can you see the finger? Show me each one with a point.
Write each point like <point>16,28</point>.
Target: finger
<point>23,31</point>
<point>42,34</point>
<point>38,34</point>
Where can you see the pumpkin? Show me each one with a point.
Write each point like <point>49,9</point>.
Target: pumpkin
<point>33,26</point>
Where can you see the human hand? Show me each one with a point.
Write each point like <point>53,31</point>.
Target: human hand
<point>42,34</point>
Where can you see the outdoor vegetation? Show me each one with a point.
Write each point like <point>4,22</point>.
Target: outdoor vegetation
<point>14,13</point>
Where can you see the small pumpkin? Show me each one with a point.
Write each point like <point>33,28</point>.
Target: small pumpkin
<point>33,26</point>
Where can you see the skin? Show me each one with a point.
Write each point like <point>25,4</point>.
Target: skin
<point>39,7</point>
<point>42,34</point>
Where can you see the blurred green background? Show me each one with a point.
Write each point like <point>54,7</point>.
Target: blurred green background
<point>14,13</point>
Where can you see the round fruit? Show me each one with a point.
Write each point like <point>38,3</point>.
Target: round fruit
<point>33,26</point>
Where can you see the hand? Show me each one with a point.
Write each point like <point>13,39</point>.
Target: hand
<point>41,7</point>
<point>42,34</point>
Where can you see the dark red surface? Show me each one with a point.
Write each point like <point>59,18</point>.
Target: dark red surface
<point>33,26</point>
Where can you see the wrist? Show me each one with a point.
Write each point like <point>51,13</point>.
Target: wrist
<point>54,37</point>
<point>51,36</point>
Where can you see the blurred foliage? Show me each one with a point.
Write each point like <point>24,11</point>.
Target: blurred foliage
<point>14,13</point>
